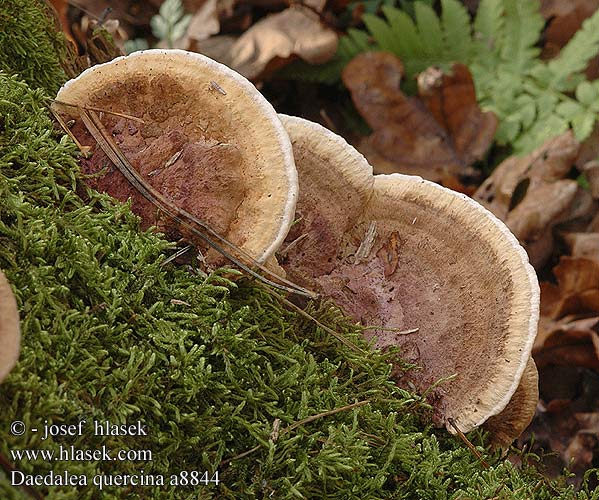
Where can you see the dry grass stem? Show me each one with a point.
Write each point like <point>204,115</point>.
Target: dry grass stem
<point>467,442</point>
<point>367,243</point>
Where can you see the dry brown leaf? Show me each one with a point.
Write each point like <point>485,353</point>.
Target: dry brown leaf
<point>317,5</point>
<point>550,162</point>
<point>580,451</point>
<point>532,219</point>
<point>591,172</point>
<point>437,143</point>
<point>216,47</point>
<point>204,22</point>
<point>588,422</point>
<point>129,13</point>
<point>570,316</point>
<point>571,354</point>
<point>589,149</point>
<point>568,326</point>
<point>576,292</point>
<point>576,275</point>
<point>273,41</point>
<point>550,297</point>
<point>452,101</point>
<point>567,342</point>
<point>532,194</point>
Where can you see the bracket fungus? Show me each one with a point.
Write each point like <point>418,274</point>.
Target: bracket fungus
<point>199,134</point>
<point>427,269</point>
<point>10,333</point>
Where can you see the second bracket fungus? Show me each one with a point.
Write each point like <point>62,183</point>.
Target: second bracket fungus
<point>198,133</point>
<point>427,269</point>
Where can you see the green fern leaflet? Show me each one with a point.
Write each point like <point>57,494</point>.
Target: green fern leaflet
<point>534,100</point>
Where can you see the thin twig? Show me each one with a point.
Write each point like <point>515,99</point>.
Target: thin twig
<point>241,455</point>
<point>178,253</point>
<point>303,313</point>
<point>397,331</point>
<point>182,217</point>
<point>324,414</point>
<point>467,442</point>
<point>291,245</point>
<point>99,110</point>
<point>84,149</point>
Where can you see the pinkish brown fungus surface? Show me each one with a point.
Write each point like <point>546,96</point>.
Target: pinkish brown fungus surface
<point>396,284</point>
<point>195,168</point>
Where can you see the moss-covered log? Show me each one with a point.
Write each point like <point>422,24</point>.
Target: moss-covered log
<point>32,46</point>
<point>220,374</point>
<point>210,366</point>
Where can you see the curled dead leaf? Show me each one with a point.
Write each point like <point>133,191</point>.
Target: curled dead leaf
<point>570,316</point>
<point>577,275</point>
<point>274,40</point>
<point>591,172</point>
<point>452,101</point>
<point>577,289</point>
<point>532,194</point>
<point>548,163</point>
<point>204,23</point>
<point>436,136</point>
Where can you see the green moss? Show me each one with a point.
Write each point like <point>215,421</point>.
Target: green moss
<point>30,44</point>
<point>208,364</point>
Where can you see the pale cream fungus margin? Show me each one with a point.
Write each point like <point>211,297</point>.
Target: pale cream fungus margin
<point>400,252</point>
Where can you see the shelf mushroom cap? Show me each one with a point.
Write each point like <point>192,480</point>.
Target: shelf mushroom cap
<point>430,263</point>
<point>327,160</point>
<point>209,142</point>
<point>517,415</point>
<point>10,333</point>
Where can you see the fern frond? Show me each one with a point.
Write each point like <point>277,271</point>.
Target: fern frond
<point>429,29</point>
<point>587,93</point>
<point>541,131</point>
<point>171,22</point>
<point>382,33</point>
<point>574,57</point>
<point>522,28</point>
<point>532,99</point>
<point>488,23</point>
<point>356,41</point>
<point>409,41</point>
<point>457,30</point>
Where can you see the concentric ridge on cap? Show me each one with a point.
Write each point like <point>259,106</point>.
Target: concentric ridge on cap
<point>533,305</point>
